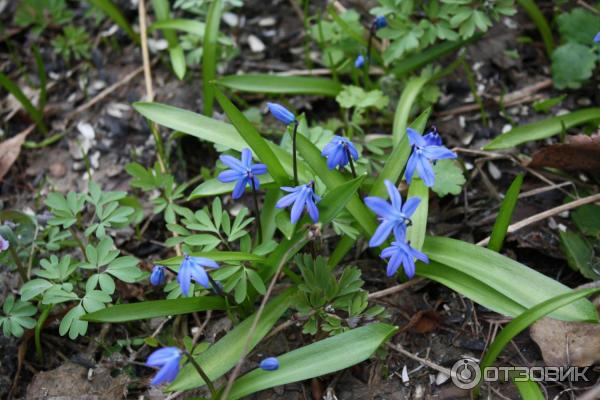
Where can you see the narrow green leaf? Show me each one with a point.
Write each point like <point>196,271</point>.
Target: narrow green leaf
<point>155,308</point>
<point>543,129</point>
<point>259,146</point>
<point>579,253</point>
<point>404,107</point>
<point>161,9</point>
<point>211,130</point>
<point>276,84</point>
<point>225,353</point>
<point>529,390</point>
<point>415,233</point>
<point>527,318</point>
<point>33,112</point>
<point>337,198</point>
<point>209,54</point>
<point>41,72</point>
<point>320,358</point>
<point>505,214</point>
<point>215,256</point>
<point>420,59</point>
<point>112,11</point>
<point>190,26</point>
<point>269,212</point>
<point>540,22</point>
<point>470,287</point>
<point>505,275</point>
<point>332,178</point>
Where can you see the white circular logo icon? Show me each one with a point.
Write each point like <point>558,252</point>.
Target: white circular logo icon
<point>465,374</point>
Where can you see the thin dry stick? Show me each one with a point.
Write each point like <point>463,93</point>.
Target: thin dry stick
<point>423,361</point>
<point>395,289</point>
<point>546,214</point>
<point>261,308</point>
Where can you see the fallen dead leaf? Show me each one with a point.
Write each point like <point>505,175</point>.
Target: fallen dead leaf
<point>10,150</point>
<point>568,343</point>
<point>581,153</point>
<point>423,322</point>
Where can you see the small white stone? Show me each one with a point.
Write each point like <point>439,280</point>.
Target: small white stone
<point>405,378</point>
<point>552,223</point>
<point>231,19</point>
<point>494,171</point>
<point>269,21</point>
<point>506,128</point>
<point>562,228</point>
<point>256,45</point>
<point>157,45</point>
<point>461,121</point>
<point>86,130</point>
<point>562,111</point>
<point>564,214</point>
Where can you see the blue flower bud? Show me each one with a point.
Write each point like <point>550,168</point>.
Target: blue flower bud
<point>359,62</point>
<point>597,38</point>
<point>380,22</point>
<point>269,364</point>
<point>158,275</point>
<point>281,113</point>
<point>4,244</point>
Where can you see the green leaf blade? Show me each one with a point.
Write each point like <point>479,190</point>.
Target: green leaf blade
<point>276,84</point>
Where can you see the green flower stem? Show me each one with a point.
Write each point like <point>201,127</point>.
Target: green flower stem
<point>295,163</point>
<point>38,330</point>
<point>77,239</point>
<point>257,212</point>
<point>20,267</point>
<point>351,161</point>
<point>202,374</point>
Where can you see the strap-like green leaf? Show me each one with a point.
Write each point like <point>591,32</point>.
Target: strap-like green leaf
<point>275,84</point>
<point>113,13</point>
<point>516,281</point>
<point>154,309</point>
<point>505,214</point>
<point>224,354</point>
<point>543,129</point>
<point>317,359</point>
<point>209,54</point>
<point>415,233</point>
<point>161,9</point>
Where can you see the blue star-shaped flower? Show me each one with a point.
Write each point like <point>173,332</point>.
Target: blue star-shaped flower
<point>302,197</point>
<point>425,151</point>
<point>281,113</point>
<point>400,253</point>
<point>193,268</point>
<point>167,359</point>
<point>394,217</point>
<point>242,171</point>
<point>157,277</point>
<point>337,150</point>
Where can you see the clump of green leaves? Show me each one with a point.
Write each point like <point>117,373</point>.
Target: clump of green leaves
<point>415,24</point>
<point>17,316</point>
<point>74,43</point>
<point>38,14</point>
<point>322,297</point>
<point>573,62</point>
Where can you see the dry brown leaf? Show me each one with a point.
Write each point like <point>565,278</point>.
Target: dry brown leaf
<point>10,150</point>
<point>581,153</point>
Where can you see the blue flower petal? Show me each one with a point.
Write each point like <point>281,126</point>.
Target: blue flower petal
<point>381,233</point>
<point>415,138</point>
<point>281,113</point>
<point>239,188</point>
<point>438,152</point>
<point>246,158</point>
<point>411,206</point>
<point>230,175</point>
<point>286,200</point>
<point>313,211</point>
<point>233,163</point>
<point>425,171</point>
<point>379,206</point>
<point>298,207</point>
<point>259,169</point>
<point>394,195</point>
<point>411,165</point>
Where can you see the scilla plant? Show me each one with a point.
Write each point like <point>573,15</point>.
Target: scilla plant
<point>281,258</point>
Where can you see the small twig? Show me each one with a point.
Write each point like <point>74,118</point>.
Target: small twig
<point>588,7</point>
<point>256,210</point>
<point>423,361</point>
<point>546,214</point>
<point>261,308</point>
<point>395,289</point>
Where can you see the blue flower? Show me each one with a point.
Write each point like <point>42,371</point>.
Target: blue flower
<point>400,253</point>
<point>193,268</point>
<point>4,244</point>
<point>394,217</point>
<point>269,364</point>
<point>380,22</point>
<point>597,38</point>
<point>157,277</point>
<point>167,359</point>
<point>359,62</point>
<point>244,172</point>
<point>424,152</point>
<point>433,138</point>
<point>302,196</point>
<point>281,113</point>
<point>336,152</point>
